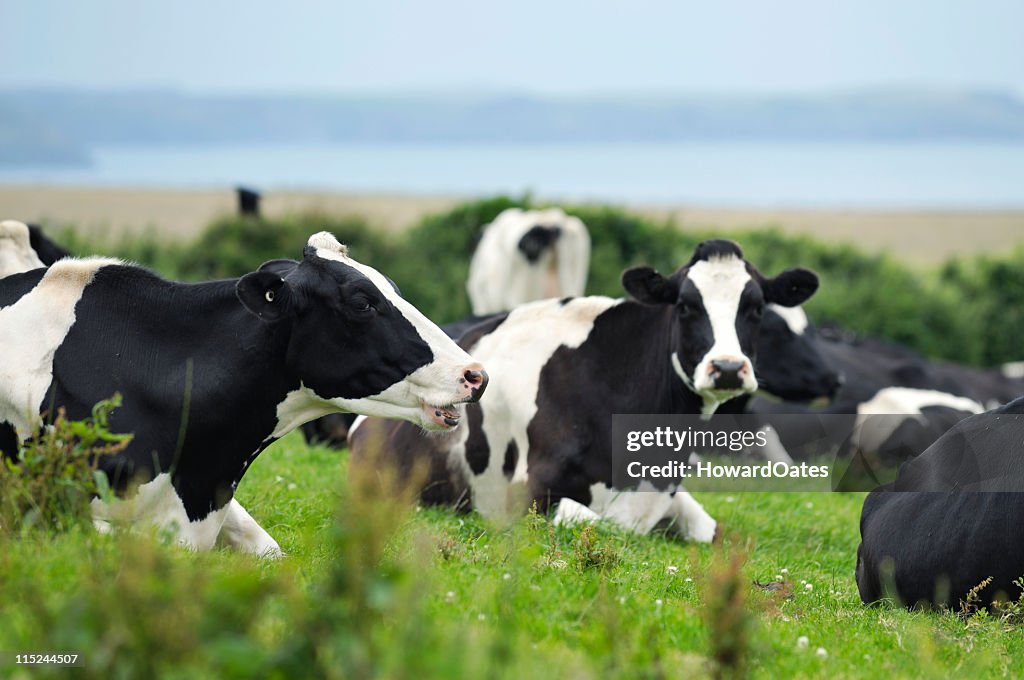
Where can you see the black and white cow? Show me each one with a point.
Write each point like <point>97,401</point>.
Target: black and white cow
<point>213,373</point>
<point>561,368</point>
<point>951,519</point>
<point>527,255</point>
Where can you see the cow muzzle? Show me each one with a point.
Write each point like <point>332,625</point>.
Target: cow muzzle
<point>726,373</point>
<point>471,385</point>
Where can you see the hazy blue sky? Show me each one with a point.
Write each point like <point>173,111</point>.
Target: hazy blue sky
<point>527,45</point>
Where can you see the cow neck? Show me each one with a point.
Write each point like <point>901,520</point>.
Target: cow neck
<point>636,341</point>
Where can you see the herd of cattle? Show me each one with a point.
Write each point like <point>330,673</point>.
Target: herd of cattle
<point>213,373</point>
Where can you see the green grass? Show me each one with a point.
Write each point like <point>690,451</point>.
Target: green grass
<point>450,595</point>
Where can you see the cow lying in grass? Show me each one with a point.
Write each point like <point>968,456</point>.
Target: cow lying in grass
<point>952,519</point>
<point>213,373</point>
<point>561,368</point>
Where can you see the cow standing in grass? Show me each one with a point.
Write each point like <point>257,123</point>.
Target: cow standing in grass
<point>213,373</point>
<point>561,368</point>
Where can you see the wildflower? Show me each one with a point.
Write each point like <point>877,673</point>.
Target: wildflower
<point>802,642</point>
<point>808,587</point>
<point>822,654</point>
<point>671,570</point>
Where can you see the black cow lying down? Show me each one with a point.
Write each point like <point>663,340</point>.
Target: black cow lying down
<point>239,363</point>
<point>951,519</point>
<point>561,368</point>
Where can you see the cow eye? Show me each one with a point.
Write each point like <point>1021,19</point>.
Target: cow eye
<point>361,305</point>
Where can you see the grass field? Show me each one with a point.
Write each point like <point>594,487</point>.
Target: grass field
<point>387,592</point>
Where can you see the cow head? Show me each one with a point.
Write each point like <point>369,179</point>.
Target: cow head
<point>356,344</point>
<point>789,364</point>
<point>718,301</point>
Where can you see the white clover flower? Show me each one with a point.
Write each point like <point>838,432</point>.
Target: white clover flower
<point>784,571</point>
<point>802,642</point>
<point>293,486</point>
<point>671,569</point>
<point>450,596</point>
<point>622,600</point>
<point>689,580</point>
<point>658,603</point>
<point>778,577</point>
<point>822,654</point>
<point>506,576</point>
<point>808,587</point>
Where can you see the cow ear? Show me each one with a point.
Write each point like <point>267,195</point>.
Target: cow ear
<point>648,286</point>
<point>790,288</point>
<point>265,294</point>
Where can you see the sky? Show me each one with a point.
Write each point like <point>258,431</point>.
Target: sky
<point>528,46</point>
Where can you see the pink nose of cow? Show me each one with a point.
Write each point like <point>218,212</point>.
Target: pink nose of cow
<point>474,379</point>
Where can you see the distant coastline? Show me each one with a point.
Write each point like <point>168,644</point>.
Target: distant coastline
<point>47,126</point>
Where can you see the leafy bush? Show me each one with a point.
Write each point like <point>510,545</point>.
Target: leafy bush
<point>936,312</point>
<point>49,483</point>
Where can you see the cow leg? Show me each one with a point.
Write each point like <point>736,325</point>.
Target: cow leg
<point>156,503</point>
<point>690,519</point>
<point>241,532</point>
<point>570,512</point>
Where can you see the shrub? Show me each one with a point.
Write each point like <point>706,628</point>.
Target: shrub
<point>49,483</point>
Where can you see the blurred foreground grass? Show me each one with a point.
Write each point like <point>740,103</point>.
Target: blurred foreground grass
<point>372,588</point>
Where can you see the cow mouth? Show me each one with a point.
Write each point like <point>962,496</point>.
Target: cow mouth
<point>445,417</point>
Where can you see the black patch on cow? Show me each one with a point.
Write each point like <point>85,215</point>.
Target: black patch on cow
<point>535,241</point>
<point>511,459</point>
<point>715,248</point>
<point>478,454</point>
<point>615,370</point>
<point>338,310</point>
<point>790,365</point>
<point>475,333</point>
<point>47,251</point>
<point>17,286</point>
<point>8,442</point>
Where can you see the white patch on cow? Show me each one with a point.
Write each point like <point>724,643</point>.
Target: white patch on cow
<point>569,512</point>
<point>31,330</point>
<point>16,253</point>
<point>241,532</point>
<point>1013,370</point>
<point>514,356</point>
<point>426,385</point>
<point>298,407</point>
<point>795,317</point>
<point>157,503</point>
<point>501,278</point>
<point>720,281</point>
<point>901,403</point>
<point>643,509</point>
<point>910,401</point>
